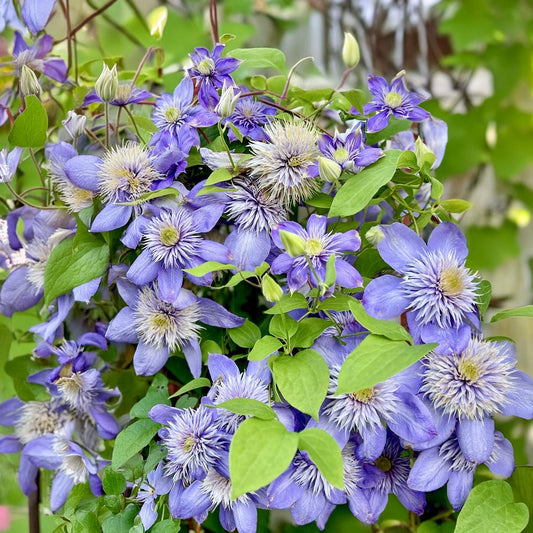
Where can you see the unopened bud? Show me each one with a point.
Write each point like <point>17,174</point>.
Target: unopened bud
<point>350,51</point>
<point>329,170</point>
<point>519,215</point>
<point>271,290</point>
<point>294,244</point>
<point>107,84</point>
<point>227,102</point>
<point>29,84</point>
<point>74,124</point>
<point>374,235</point>
<point>424,156</point>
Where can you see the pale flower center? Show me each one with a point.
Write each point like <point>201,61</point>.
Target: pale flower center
<point>172,114</point>
<point>363,395</point>
<point>313,246</point>
<point>393,99</point>
<point>451,281</point>
<point>206,66</point>
<point>469,371</point>
<point>169,236</point>
<point>340,155</point>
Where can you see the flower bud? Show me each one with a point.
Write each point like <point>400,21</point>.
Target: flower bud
<point>271,290</point>
<point>74,124</point>
<point>29,84</point>
<point>294,244</point>
<point>350,50</point>
<point>519,215</point>
<point>424,156</point>
<point>107,84</point>
<point>374,235</point>
<point>329,170</point>
<point>226,104</point>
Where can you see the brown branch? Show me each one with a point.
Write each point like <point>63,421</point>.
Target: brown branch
<point>213,19</point>
<point>33,508</point>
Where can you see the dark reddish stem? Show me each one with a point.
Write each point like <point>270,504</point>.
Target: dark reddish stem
<point>213,18</point>
<point>33,508</point>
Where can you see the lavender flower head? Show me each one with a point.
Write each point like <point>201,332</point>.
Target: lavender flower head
<point>8,163</point>
<point>392,100</point>
<point>283,167</point>
<point>318,245</point>
<point>472,386</point>
<point>248,117</point>
<point>435,288</point>
<point>209,71</point>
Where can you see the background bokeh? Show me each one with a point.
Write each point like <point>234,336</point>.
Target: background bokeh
<point>474,57</point>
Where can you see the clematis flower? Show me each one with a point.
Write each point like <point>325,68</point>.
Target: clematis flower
<point>160,327</point>
<point>9,162</point>
<point>248,117</point>
<point>447,464</point>
<point>176,116</point>
<point>35,57</point>
<point>318,247</point>
<point>172,242</point>
<point>434,287</point>
<point>157,483</point>
<point>126,94</point>
<point>283,166</point>
<point>229,383</point>
<point>473,385</point>
<point>209,72</point>
<point>392,100</point>
<point>36,13</point>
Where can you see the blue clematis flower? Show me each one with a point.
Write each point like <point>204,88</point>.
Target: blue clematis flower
<point>447,464</point>
<point>9,162</point>
<point>392,100</point>
<point>157,483</point>
<point>434,287</point>
<point>36,13</point>
<point>160,327</point>
<point>210,71</point>
<point>248,117</point>
<point>471,386</point>
<point>318,247</point>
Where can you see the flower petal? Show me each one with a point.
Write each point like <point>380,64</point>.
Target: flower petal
<point>401,246</point>
<point>149,359</point>
<point>476,438</point>
<point>383,299</point>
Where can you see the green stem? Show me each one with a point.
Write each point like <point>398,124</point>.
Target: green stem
<point>134,125</point>
<point>107,125</point>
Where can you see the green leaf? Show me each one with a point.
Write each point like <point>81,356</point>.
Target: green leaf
<point>325,453</point>
<point>156,394</point>
<point>483,297</point>
<point>303,380</point>
<point>289,302</point>
<point>355,194</point>
<point>246,335</point>
<point>145,124</point>
<point>169,191</point>
<point>282,326</point>
<point>308,330</point>
<point>490,507</point>
<point>377,359</point>
<point>122,522</point>
<point>260,451</point>
<point>386,328</point>
<point>456,206</point>
<point>260,57</point>
<point>193,384</point>
<point>219,175</point>
<point>248,406</point>
<point>29,129</point>
<point>207,267</point>
<point>132,439</point>
<point>524,311</point>
<point>522,484</point>
<point>331,272</point>
<point>395,126</point>
<point>340,302</point>
<point>166,526</point>
<point>264,347</point>
<point>112,482</point>
<point>74,261</point>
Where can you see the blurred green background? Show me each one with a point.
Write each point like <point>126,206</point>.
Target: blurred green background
<point>475,57</point>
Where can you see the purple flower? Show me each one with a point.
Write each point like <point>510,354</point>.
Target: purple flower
<point>435,288</point>
<point>229,383</point>
<point>348,150</point>
<point>172,242</point>
<point>9,162</point>
<point>210,71</point>
<point>35,57</point>
<point>36,13</point>
<point>447,464</point>
<point>175,116</point>
<point>160,327</point>
<point>391,403</point>
<point>435,135</point>
<point>473,385</point>
<point>393,99</point>
<point>126,95</point>
<point>318,247</point>
<point>73,466</point>
<point>248,117</point>
<point>396,466</point>
<point>9,17</point>
<point>156,484</point>
<point>123,175</point>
